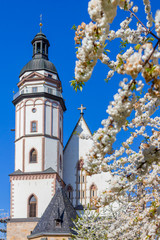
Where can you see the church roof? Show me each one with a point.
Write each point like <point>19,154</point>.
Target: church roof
<point>38,64</point>
<point>59,209</point>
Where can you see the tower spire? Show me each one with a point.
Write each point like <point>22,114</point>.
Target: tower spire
<point>40,24</point>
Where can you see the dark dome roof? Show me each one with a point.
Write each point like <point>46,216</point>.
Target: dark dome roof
<point>38,64</point>
<point>40,35</point>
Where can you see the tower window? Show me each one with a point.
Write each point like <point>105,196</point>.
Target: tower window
<point>93,191</point>
<point>83,179</point>
<point>60,162</point>
<point>50,91</point>
<point>33,156</point>
<point>32,206</point>
<point>38,47</point>
<point>34,126</point>
<point>93,194</point>
<point>83,193</point>
<point>50,75</point>
<point>33,48</point>
<point>34,89</point>
<point>43,48</point>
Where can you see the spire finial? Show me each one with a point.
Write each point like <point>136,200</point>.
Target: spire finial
<point>81,108</point>
<point>40,23</point>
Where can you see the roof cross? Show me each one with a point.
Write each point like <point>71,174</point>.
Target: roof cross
<point>81,109</point>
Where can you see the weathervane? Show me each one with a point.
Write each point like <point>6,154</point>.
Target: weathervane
<point>41,23</point>
<point>82,108</point>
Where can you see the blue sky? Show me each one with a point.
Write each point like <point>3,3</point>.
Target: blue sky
<point>19,23</point>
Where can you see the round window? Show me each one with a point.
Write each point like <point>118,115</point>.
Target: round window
<point>34,110</point>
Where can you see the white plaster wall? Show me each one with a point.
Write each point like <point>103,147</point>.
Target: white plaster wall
<point>43,72</point>
<point>24,75</point>
<point>51,153</point>
<point>23,189</point>
<point>37,116</point>
<point>74,151</point>
<point>17,134</point>
<point>100,181</point>
<point>76,148</point>
<point>61,126</point>
<point>18,154</point>
<point>48,107</point>
<point>22,121</point>
<point>60,154</point>
<point>33,142</point>
<point>55,122</point>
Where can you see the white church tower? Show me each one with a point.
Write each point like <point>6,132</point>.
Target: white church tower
<point>39,108</point>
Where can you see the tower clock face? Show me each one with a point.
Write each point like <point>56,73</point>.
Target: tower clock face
<point>34,110</point>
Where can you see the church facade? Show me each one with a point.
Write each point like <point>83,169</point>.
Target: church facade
<point>42,164</point>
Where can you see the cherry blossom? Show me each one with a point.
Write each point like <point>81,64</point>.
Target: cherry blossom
<point>134,185</point>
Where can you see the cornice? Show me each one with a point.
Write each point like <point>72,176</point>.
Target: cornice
<point>51,80</point>
<point>40,94</point>
<point>23,220</point>
<point>33,176</point>
<point>38,135</point>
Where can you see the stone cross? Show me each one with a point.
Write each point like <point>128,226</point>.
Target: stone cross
<point>81,108</point>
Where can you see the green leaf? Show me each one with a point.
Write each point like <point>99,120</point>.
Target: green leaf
<point>74,27</point>
<point>125,6</point>
<point>107,50</point>
<point>150,39</point>
<point>133,87</point>
<point>77,85</point>
<point>120,63</point>
<point>137,47</point>
<point>123,44</point>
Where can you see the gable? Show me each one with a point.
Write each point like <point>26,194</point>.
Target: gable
<point>81,129</point>
<point>34,75</point>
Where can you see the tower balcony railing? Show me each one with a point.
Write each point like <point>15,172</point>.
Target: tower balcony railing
<point>39,89</point>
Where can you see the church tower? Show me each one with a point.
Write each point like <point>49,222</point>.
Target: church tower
<point>39,108</point>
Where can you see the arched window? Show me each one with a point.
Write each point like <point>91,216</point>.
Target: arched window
<point>32,206</point>
<point>93,194</point>
<point>33,156</point>
<point>60,162</point>
<point>70,192</point>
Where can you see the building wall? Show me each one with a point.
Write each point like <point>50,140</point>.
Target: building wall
<point>47,140</point>
<point>19,230</point>
<point>51,153</point>
<point>22,187</point>
<point>76,150</point>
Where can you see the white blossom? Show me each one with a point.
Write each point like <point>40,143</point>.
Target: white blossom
<point>134,186</point>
